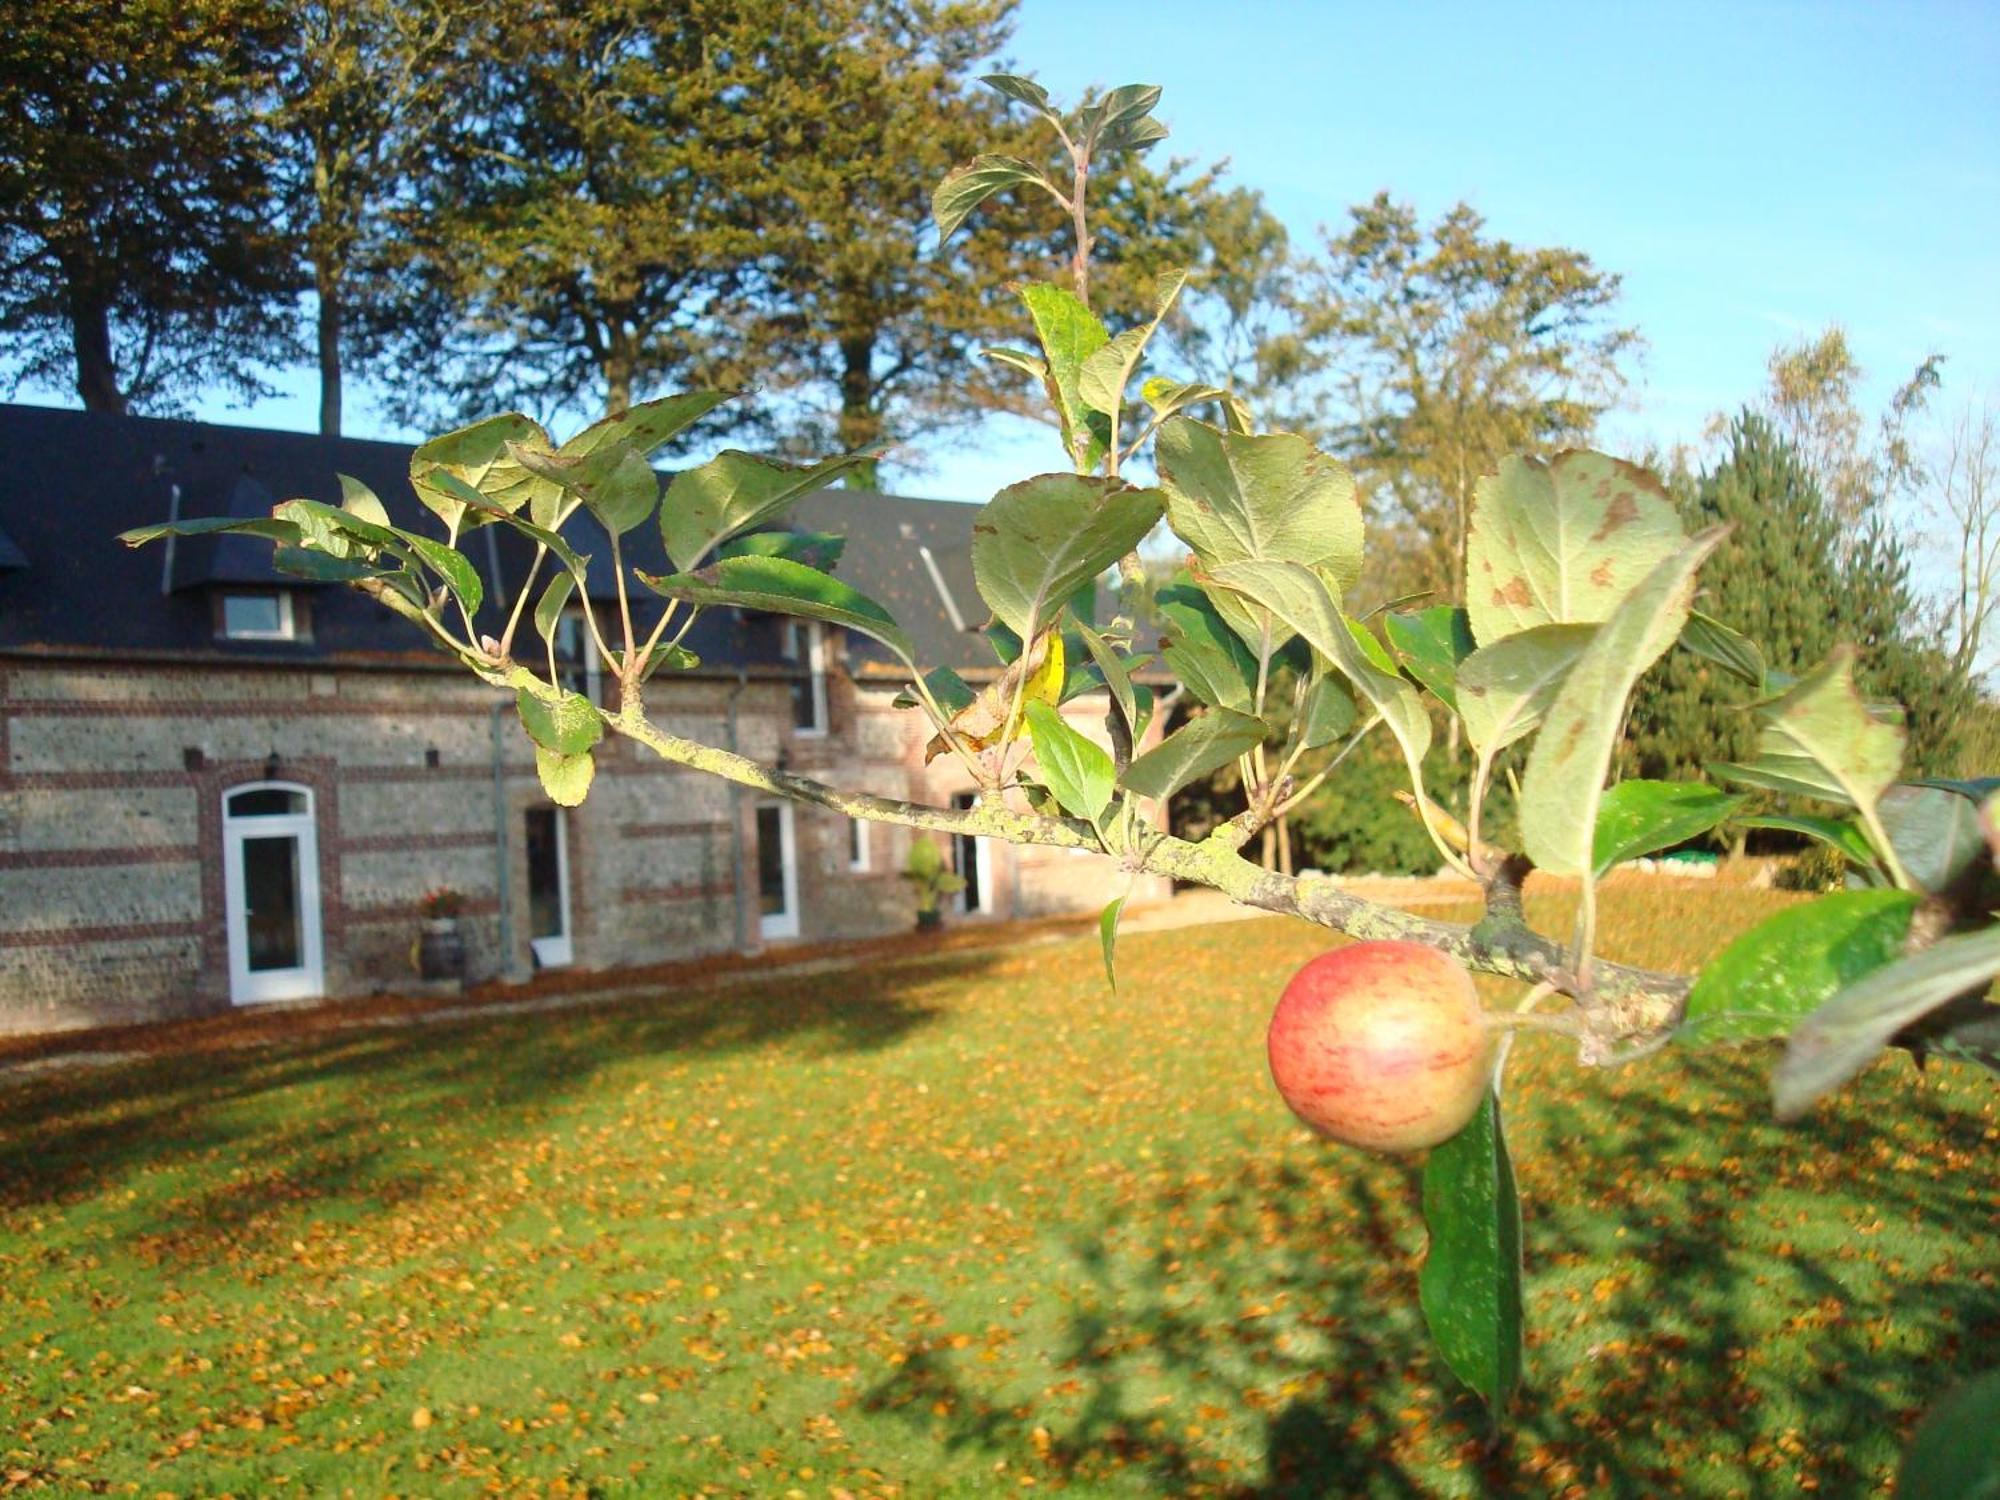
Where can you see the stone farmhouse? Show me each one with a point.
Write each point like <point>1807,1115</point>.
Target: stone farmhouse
<point>223,786</point>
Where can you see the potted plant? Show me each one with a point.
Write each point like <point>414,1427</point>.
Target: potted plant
<point>924,869</point>
<point>441,944</point>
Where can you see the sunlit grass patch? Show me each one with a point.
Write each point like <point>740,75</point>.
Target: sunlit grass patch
<point>946,1227</point>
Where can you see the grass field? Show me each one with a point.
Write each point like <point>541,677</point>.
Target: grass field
<point>964,1227</point>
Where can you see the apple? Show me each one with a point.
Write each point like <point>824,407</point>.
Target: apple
<point>1381,1045</point>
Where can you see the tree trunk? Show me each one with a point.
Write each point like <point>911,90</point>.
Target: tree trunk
<point>860,423</point>
<point>90,337</point>
<point>327,284</point>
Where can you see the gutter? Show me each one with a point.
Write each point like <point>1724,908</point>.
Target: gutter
<point>740,883</point>
<point>503,865</point>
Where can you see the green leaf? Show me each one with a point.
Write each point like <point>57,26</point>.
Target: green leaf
<point>967,186</point>
<point>1432,643</point>
<point>1564,542</point>
<point>1117,679</point>
<point>339,532</point>
<point>566,778</point>
<point>1836,833</point>
<point>548,610</point>
<point>1075,767</point>
<point>1298,596</point>
<point>1107,939</point>
<point>783,587</point>
<point>1735,653</point>
<point>663,654</point>
<point>1566,769</point>
<point>1198,747</point>
<point>285,533</point>
<point>647,426</point>
<point>1121,119</point>
<point>361,502</point>
<point>1028,364</point>
<point>1470,1286</point>
<point>732,492</point>
<point>1036,543</point>
<point>1101,382</point>
<point>459,575</point>
<point>1167,397</point>
<point>1069,333</point>
<point>1505,689</point>
<point>321,567</point>
<point>1639,817</point>
<point>814,549</point>
<point>1234,497</point>
<point>1820,740</point>
<point>614,482</point>
<point>1955,1452</point>
<point>952,692</point>
<point>1842,1037</point>
<point>479,457</point>
<point>1202,651</point>
<point>1327,714</point>
<point>1021,91</point>
<point>557,720</point>
<point>1935,832</point>
<point>1764,981</point>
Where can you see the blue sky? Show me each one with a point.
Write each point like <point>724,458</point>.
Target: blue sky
<point>1753,171</point>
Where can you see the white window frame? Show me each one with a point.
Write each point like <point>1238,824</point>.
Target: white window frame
<point>858,842</point>
<point>815,662</point>
<point>308,980</point>
<point>287,620</point>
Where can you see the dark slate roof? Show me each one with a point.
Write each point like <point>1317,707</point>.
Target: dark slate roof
<point>74,480</point>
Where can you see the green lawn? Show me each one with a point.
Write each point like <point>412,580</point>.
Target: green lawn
<point>961,1227</point>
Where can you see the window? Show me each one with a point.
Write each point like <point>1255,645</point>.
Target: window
<point>857,845</point>
<point>257,617</point>
<point>803,641</point>
<point>578,667</point>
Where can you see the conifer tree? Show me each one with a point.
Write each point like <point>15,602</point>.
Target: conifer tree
<point>1783,581</point>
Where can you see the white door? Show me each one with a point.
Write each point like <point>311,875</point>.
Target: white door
<point>970,857</point>
<point>548,887</point>
<point>777,872</point>
<point>270,885</point>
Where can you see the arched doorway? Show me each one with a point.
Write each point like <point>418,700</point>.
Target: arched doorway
<point>270,876</point>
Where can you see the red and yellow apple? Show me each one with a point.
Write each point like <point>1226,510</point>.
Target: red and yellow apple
<point>1381,1045</point>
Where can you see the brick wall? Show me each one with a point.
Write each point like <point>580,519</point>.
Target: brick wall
<point>112,779</point>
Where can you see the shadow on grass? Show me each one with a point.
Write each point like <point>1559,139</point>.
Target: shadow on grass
<point>1251,1330</point>
<point>66,1138</point>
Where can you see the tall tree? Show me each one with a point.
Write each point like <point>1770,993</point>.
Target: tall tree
<point>578,233</point>
<point>1786,580</point>
<point>1438,351</point>
<point>1813,402</point>
<point>1965,509</point>
<point>141,256</point>
<point>367,85</point>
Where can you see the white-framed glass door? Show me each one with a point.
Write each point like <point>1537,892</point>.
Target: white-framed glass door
<point>547,832</point>
<point>970,857</point>
<point>270,885</point>
<point>777,872</point>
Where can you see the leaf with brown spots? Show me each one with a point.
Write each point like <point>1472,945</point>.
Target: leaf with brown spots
<point>1565,776</point>
<point>1563,542</point>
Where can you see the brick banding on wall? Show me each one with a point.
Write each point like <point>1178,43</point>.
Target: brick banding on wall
<point>124,932</point>
<point>642,895</point>
<point>71,859</point>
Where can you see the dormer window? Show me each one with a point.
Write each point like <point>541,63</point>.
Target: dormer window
<point>258,617</point>
<point>803,642</point>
